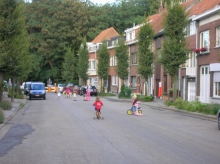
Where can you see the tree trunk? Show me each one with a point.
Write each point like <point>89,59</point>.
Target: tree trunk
<point>102,88</point>
<point>174,88</point>
<point>1,85</point>
<point>12,89</point>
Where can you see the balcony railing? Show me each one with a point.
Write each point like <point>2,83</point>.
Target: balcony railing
<point>191,71</point>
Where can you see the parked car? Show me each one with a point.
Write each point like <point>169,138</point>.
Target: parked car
<point>27,86</point>
<point>218,118</point>
<point>93,91</point>
<point>22,86</point>
<point>37,90</point>
<point>5,86</point>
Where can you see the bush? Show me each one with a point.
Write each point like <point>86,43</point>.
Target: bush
<point>179,103</point>
<point>145,98</point>
<point>125,92</point>
<point>168,103</point>
<point>106,94</point>
<point>6,105</point>
<point>1,116</point>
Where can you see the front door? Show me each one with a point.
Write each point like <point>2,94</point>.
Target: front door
<point>204,84</point>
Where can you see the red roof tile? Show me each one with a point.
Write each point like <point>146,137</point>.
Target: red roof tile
<point>194,9</point>
<point>106,35</point>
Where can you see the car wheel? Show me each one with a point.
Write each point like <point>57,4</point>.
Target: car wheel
<point>219,121</point>
<point>44,97</point>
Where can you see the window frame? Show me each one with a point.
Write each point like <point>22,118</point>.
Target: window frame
<point>133,81</point>
<point>114,80</point>
<point>216,90</point>
<point>202,40</point>
<point>217,36</point>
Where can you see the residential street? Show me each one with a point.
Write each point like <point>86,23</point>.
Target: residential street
<point>63,131</point>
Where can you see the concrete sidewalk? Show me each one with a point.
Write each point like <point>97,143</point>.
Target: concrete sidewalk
<point>16,105</point>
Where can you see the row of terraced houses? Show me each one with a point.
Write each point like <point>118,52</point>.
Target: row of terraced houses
<point>198,77</point>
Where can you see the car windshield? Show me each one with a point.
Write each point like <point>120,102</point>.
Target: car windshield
<point>37,87</point>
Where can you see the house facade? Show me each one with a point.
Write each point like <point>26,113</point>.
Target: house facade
<point>208,56</point>
<point>199,76</point>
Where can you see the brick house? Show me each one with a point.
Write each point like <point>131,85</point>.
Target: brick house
<point>208,58</point>
<point>109,36</point>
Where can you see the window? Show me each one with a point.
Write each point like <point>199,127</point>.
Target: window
<point>114,80</point>
<point>133,81</point>
<point>217,89</point>
<point>205,70</point>
<point>218,36</point>
<point>204,39</point>
<point>93,64</point>
<point>191,62</point>
<point>113,61</point>
<point>192,28</point>
<point>134,58</point>
<point>95,81</point>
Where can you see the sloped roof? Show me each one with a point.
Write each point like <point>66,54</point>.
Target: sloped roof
<point>203,6</point>
<point>194,9</point>
<point>106,35</point>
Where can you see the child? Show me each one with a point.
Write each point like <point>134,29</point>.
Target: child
<point>134,104</point>
<point>74,94</point>
<point>84,93</point>
<point>58,93</point>
<point>88,95</point>
<point>98,105</point>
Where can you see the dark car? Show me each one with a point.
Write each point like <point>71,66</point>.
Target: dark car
<point>93,91</point>
<point>37,90</point>
<point>27,86</point>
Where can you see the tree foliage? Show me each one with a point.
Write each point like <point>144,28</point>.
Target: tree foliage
<point>83,64</point>
<point>103,64</point>
<point>174,51</point>
<point>145,54</point>
<point>54,25</point>
<point>68,73</point>
<point>14,57</point>
<point>122,59</point>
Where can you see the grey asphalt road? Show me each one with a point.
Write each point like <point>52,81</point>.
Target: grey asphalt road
<point>63,131</point>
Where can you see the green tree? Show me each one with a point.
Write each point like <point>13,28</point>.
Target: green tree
<point>14,43</point>
<point>145,54</point>
<point>54,25</point>
<point>69,66</point>
<point>103,64</point>
<point>174,51</point>
<point>83,64</point>
<point>122,59</point>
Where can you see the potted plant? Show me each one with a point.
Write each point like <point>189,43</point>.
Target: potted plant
<point>203,49</point>
<point>165,96</point>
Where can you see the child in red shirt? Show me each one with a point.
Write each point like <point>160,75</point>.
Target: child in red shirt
<point>98,104</point>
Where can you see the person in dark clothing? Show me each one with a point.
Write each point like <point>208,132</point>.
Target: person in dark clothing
<point>84,93</point>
